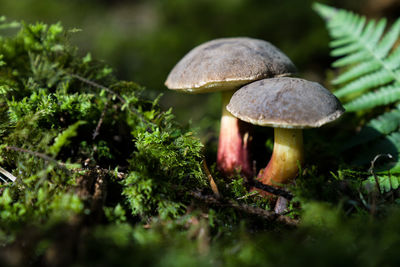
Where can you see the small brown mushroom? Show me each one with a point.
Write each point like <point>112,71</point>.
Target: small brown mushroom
<point>225,65</point>
<point>289,105</point>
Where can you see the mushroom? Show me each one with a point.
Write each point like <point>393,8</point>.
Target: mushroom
<point>289,105</point>
<point>225,65</point>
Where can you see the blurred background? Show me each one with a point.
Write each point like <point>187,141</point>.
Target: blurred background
<point>143,39</point>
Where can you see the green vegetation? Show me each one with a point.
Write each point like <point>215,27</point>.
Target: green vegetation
<point>105,176</point>
<point>369,60</point>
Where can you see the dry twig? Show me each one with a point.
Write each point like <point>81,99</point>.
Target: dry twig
<point>273,190</point>
<point>213,185</point>
<point>265,214</point>
<point>100,122</point>
<point>372,171</point>
<point>39,155</point>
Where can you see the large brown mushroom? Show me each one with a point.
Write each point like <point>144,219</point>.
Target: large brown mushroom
<point>225,65</point>
<point>289,105</point>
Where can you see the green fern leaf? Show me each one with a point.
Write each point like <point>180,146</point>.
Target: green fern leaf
<point>344,50</point>
<point>382,125</point>
<point>372,62</point>
<point>366,52</point>
<point>376,34</point>
<point>327,12</point>
<point>352,59</point>
<point>380,28</point>
<point>392,62</point>
<point>386,123</point>
<point>366,82</point>
<point>357,71</point>
<point>386,183</point>
<point>382,51</point>
<point>389,40</point>
<point>340,42</point>
<point>383,96</point>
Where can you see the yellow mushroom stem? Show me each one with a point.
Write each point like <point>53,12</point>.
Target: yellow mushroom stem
<point>283,166</point>
<point>234,141</point>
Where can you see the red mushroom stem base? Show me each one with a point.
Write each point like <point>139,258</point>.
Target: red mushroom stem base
<point>283,166</point>
<point>234,142</point>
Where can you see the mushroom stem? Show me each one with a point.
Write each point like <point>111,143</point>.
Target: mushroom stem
<point>283,166</point>
<point>234,142</point>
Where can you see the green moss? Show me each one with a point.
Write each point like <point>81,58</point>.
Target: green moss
<point>59,108</point>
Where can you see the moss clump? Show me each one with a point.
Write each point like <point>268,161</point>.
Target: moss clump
<point>64,117</point>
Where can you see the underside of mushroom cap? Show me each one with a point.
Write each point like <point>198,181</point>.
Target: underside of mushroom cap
<point>286,103</point>
<point>228,63</point>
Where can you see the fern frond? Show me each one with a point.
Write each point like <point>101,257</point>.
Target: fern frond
<point>389,40</point>
<point>392,61</point>
<point>365,50</point>
<point>366,82</point>
<point>340,42</point>
<point>386,95</point>
<point>382,125</point>
<point>382,51</point>
<point>357,71</point>
<point>371,78</point>
<point>386,123</point>
<point>386,183</point>
<point>352,59</point>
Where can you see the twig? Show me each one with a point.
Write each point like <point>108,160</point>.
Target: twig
<point>265,214</point>
<point>371,169</point>
<point>39,155</point>
<point>103,113</point>
<point>94,84</point>
<point>213,185</point>
<point>119,175</point>
<point>273,190</point>
<point>213,200</point>
<point>268,215</point>
<point>247,195</point>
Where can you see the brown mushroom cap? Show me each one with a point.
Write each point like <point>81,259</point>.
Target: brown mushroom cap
<point>285,103</point>
<point>228,63</point>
